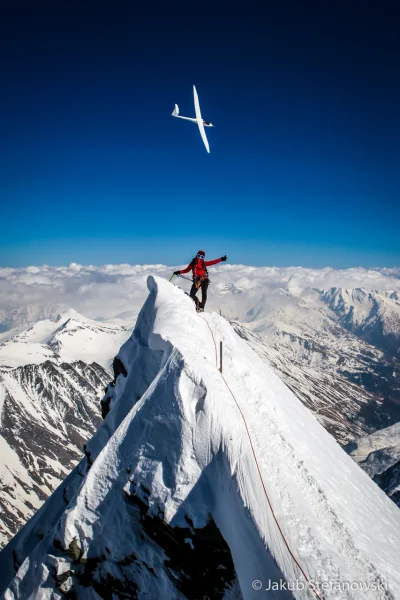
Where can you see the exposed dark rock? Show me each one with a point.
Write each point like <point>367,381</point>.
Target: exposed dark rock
<point>105,406</point>
<point>389,481</point>
<point>199,561</point>
<point>75,550</point>
<point>119,368</point>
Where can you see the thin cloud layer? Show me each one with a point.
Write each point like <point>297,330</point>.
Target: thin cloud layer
<point>113,292</point>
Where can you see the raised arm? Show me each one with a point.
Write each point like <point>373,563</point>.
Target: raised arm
<point>209,263</point>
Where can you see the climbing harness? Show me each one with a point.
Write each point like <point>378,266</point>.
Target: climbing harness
<point>198,281</point>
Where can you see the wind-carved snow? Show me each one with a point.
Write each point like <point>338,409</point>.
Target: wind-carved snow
<point>174,455</point>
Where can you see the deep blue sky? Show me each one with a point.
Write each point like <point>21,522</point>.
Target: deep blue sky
<point>304,163</point>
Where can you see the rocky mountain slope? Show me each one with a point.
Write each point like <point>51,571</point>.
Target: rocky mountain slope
<point>52,376</point>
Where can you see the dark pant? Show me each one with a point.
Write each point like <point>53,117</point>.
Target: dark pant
<point>195,288</point>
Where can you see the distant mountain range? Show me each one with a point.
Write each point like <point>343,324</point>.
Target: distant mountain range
<point>341,345</point>
<point>336,349</point>
<point>371,315</point>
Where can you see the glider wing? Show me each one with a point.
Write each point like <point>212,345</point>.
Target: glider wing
<point>199,119</point>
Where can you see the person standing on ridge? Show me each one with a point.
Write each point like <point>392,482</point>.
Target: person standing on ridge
<point>198,266</point>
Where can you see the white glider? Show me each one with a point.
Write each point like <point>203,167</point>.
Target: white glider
<point>199,119</point>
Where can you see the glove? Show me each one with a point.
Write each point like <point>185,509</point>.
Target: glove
<point>224,257</point>
<point>177,272</point>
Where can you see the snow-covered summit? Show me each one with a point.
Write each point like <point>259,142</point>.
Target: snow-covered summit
<point>67,338</point>
<point>19,318</point>
<point>371,314</point>
<point>186,453</point>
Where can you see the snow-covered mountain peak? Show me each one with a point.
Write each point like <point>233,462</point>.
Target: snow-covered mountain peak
<point>89,340</point>
<point>38,331</point>
<point>342,298</point>
<point>372,315</point>
<point>185,455</point>
<point>347,296</point>
<point>21,317</point>
<point>67,338</point>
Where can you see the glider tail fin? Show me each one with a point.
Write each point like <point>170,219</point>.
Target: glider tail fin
<point>176,111</point>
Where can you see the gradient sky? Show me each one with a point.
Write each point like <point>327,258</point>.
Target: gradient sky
<point>304,163</point>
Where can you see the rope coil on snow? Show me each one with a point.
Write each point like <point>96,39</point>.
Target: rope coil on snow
<point>295,560</point>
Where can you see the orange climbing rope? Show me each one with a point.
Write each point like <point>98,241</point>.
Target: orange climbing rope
<point>308,580</point>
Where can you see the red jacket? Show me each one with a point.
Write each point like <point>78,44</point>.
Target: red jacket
<point>198,266</point>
